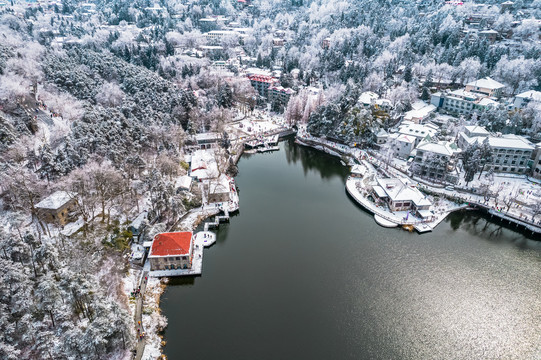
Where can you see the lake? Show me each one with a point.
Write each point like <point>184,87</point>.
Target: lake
<point>302,272</point>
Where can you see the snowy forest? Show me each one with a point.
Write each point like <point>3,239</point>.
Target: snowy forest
<point>99,99</point>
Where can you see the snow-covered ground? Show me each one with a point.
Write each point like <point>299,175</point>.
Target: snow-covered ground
<point>153,320</point>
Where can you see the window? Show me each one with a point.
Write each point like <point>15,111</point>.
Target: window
<point>177,258</point>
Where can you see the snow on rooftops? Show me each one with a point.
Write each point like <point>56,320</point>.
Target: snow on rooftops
<point>184,182</point>
<point>367,97</point>
<point>487,102</point>
<point>56,200</point>
<point>209,136</point>
<point>486,83</point>
<point>531,95</point>
<point>358,169</point>
<point>418,105</point>
<point>420,113</point>
<point>406,138</point>
<point>474,130</point>
<point>442,148</point>
<point>511,142</point>
<point>220,185</point>
<point>402,190</point>
<point>203,165</point>
<point>136,223</point>
<point>171,244</point>
<point>418,130</point>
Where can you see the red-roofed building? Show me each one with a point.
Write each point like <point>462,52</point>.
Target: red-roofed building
<point>171,251</point>
<point>262,83</point>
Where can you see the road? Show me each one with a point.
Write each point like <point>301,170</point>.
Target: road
<point>139,316</point>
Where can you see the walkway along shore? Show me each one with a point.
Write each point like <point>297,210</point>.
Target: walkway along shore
<point>470,201</point>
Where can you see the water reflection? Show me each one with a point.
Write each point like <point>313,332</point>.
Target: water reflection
<point>305,273</point>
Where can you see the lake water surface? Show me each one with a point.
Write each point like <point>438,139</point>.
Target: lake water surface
<point>303,273</point>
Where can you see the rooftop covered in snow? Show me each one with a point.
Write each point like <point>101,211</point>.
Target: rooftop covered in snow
<point>56,200</point>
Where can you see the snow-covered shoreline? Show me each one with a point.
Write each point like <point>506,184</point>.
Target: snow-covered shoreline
<point>153,322</point>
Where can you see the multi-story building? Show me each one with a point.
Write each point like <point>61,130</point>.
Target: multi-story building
<point>171,251</point>
<point>436,161</point>
<point>401,145</point>
<point>261,83</point>
<point>215,37</point>
<point>466,137</point>
<point>510,153</point>
<point>536,167</point>
<point>486,86</point>
<point>281,95</point>
<point>417,131</point>
<point>461,101</point>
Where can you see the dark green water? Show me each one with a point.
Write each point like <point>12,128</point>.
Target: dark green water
<point>303,273</point>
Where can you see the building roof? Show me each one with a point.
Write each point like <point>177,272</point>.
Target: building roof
<point>488,32</point>
<point>379,191</point>
<point>510,142</point>
<point>406,138</point>
<point>367,97</point>
<point>184,182</point>
<point>282,89</point>
<point>420,113</point>
<point>487,102</point>
<point>138,221</point>
<point>476,130</point>
<point>171,244</point>
<point>486,83</point>
<point>358,169</point>
<point>203,165</point>
<point>209,136</point>
<point>262,78</point>
<point>442,148</point>
<point>219,185</point>
<point>418,130</point>
<point>531,94</point>
<point>401,190</point>
<point>56,200</point>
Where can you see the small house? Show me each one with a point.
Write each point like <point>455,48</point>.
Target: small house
<point>56,208</point>
<point>219,189</point>
<point>400,195</point>
<point>138,224</point>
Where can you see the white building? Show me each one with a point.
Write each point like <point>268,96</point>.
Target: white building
<point>436,160</point>
<point>486,86</point>
<point>536,168</point>
<point>418,131</point>
<point>401,195</point>
<point>203,165</point>
<point>522,100</point>
<point>420,112</point>
<point>402,145</point>
<point>511,153</point>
